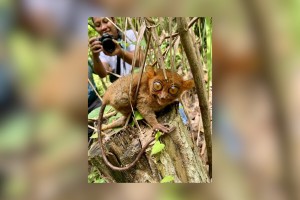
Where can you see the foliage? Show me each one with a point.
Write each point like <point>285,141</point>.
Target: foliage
<point>94,177</point>
<point>157,147</point>
<point>208,29</point>
<point>167,179</point>
<point>157,135</point>
<point>95,113</point>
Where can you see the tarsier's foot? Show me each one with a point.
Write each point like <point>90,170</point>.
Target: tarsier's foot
<point>166,128</point>
<point>119,122</point>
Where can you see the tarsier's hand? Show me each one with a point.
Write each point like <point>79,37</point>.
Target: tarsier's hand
<point>166,128</point>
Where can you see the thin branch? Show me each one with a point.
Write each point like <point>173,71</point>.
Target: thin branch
<point>191,23</point>
<point>171,55</point>
<point>119,28</point>
<point>137,49</point>
<point>158,52</point>
<point>94,89</point>
<point>92,26</point>
<point>91,127</point>
<point>167,50</point>
<point>140,78</point>
<point>117,75</point>
<point>132,27</point>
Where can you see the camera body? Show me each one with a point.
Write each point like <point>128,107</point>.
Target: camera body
<point>107,43</point>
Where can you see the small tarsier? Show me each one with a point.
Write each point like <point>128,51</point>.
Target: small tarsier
<point>154,94</point>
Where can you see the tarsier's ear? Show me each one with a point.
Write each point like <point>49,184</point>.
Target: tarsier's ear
<point>189,84</point>
<point>150,71</point>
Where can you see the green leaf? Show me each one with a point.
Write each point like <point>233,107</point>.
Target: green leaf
<point>157,135</point>
<point>157,147</point>
<point>113,118</point>
<point>92,175</point>
<point>167,179</point>
<point>100,181</point>
<point>94,136</point>
<point>138,115</point>
<point>94,114</point>
<point>143,43</point>
<point>108,108</point>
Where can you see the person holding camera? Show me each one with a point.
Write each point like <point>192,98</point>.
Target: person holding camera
<point>109,53</point>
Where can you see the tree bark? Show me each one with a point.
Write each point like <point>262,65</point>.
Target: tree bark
<point>179,159</point>
<point>197,72</point>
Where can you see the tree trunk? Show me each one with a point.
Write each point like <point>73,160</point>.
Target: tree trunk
<point>197,71</point>
<point>179,159</point>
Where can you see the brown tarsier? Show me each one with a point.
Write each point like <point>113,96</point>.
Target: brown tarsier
<point>154,94</point>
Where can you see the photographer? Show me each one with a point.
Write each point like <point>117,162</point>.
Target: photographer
<point>107,54</point>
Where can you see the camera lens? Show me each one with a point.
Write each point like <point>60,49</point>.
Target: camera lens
<point>108,43</point>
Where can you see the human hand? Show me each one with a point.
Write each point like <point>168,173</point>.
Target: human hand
<point>95,45</point>
<point>118,50</point>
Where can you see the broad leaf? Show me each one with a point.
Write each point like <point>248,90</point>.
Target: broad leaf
<point>157,147</point>
<point>95,113</point>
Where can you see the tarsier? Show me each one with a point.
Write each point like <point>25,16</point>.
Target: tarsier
<point>155,93</point>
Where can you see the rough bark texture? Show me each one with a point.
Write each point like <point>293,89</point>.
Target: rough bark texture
<point>180,157</point>
<point>197,71</point>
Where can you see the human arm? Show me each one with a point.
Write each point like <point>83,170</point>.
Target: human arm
<point>128,56</point>
<point>99,67</point>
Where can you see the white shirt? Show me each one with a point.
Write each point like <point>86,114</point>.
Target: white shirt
<point>112,60</point>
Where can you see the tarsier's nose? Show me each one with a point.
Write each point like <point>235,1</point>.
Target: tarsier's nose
<point>163,96</point>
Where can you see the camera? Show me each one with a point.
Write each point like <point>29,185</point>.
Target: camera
<point>108,43</point>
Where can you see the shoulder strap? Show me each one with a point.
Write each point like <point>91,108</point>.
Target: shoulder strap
<point>118,66</point>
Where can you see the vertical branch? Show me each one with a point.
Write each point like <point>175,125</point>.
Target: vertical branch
<point>195,44</point>
<point>132,27</point>
<point>197,72</point>
<point>137,49</point>
<point>155,41</point>
<point>171,38</point>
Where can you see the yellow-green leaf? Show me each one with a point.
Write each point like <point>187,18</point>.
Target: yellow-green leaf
<point>94,114</point>
<point>95,135</point>
<point>138,115</point>
<point>167,179</point>
<point>157,135</point>
<point>157,147</point>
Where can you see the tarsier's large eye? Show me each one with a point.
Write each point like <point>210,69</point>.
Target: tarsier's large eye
<point>157,86</point>
<point>173,90</point>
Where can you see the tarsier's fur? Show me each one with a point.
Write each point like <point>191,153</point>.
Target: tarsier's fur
<point>147,103</point>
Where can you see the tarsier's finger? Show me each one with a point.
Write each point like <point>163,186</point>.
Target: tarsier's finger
<point>171,128</point>
<point>161,128</point>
